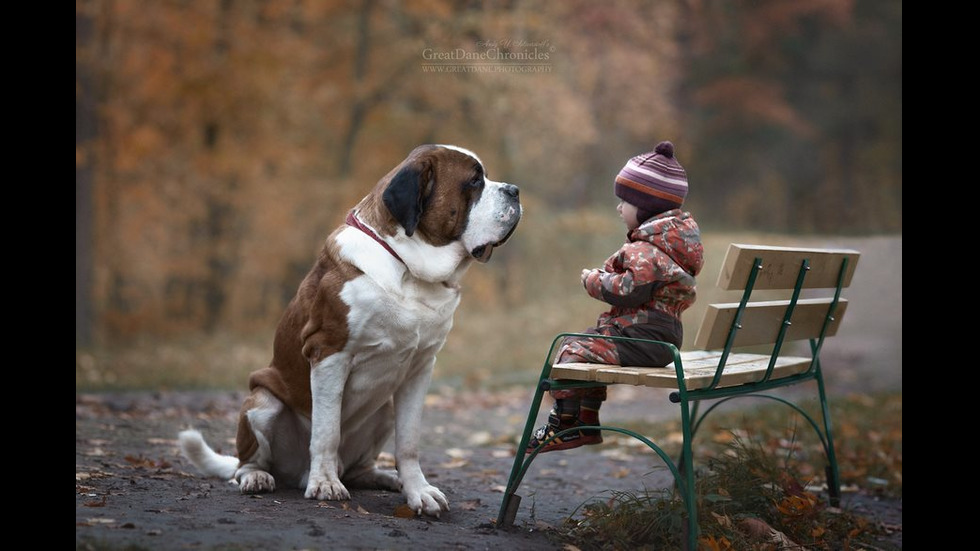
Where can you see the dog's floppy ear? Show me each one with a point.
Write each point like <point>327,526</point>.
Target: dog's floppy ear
<point>407,192</point>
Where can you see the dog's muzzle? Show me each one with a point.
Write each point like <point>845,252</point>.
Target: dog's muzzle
<point>509,217</point>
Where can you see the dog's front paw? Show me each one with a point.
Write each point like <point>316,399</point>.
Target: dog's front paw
<point>323,489</point>
<point>257,482</point>
<point>429,500</point>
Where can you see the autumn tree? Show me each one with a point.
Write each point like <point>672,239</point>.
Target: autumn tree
<point>795,110</point>
<point>218,142</point>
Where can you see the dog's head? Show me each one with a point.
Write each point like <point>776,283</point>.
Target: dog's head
<point>443,194</point>
<point>439,209</point>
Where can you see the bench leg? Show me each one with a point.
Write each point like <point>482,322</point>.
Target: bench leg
<point>832,471</point>
<point>511,501</point>
<point>687,476</point>
<point>508,509</point>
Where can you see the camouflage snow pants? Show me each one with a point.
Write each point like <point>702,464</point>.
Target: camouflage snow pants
<point>607,351</point>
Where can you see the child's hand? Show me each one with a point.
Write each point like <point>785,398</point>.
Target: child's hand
<point>585,274</point>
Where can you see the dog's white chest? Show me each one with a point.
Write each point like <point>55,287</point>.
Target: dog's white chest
<point>388,331</point>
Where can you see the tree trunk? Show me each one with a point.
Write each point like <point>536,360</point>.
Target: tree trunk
<point>85,133</point>
<point>360,107</point>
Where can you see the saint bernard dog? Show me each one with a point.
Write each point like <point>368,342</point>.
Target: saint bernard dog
<point>354,351</point>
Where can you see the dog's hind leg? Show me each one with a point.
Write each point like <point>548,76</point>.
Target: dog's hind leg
<point>373,478</point>
<point>255,429</point>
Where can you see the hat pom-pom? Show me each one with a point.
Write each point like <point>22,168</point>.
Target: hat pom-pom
<point>666,149</point>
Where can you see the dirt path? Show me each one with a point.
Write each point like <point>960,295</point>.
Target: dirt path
<point>133,490</point>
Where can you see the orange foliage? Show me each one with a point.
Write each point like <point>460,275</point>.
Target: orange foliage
<point>231,137</point>
<point>741,99</point>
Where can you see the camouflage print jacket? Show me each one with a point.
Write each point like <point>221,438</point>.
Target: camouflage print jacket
<point>652,275</point>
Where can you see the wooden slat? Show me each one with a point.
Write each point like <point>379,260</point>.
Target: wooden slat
<point>736,373</point>
<point>699,369</point>
<point>762,321</point>
<point>634,375</point>
<point>575,371</point>
<point>781,266</point>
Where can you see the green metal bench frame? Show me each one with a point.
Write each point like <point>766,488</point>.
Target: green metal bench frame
<point>690,398</point>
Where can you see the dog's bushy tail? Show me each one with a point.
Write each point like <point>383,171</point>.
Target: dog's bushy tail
<point>209,462</point>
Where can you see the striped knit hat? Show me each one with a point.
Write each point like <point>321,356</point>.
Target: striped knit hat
<point>654,182</point>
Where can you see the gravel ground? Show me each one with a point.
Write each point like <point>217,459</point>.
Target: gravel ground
<point>134,491</point>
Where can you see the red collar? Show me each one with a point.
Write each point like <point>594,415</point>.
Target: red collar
<point>353,221</point>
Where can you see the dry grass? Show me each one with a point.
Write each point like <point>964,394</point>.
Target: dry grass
<point>760,477</point>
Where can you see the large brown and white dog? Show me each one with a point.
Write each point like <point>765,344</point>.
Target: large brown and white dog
<point>355,349</point>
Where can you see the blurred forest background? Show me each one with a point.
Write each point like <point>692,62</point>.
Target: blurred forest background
<point>218,142</point>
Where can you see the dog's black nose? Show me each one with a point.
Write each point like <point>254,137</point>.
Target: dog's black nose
<point>512,190</point>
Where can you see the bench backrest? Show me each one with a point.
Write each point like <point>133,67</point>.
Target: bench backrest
<point>755,267</point>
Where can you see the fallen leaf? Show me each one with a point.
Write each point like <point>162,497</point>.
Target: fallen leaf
<point>755,528</point>
<point>140,461</point>
<point>362,510</point>
<point>710,543</point>
<point>616,454</point>
<point>95,452</point>
<point>100,520</point>
<point>626,442</point>
<point>500,488</point>
<point>789,444</point>
<point>92,474</point>
<point>95,503</point>
<point>404,511</point>
<point>797,505</point>
<point>469,505</point>
<point>479,438</point>
<point>458,453</point>
<point>722,437</point>
<point>890,528</point>
<point>454,464</point>
<point>621,473</point>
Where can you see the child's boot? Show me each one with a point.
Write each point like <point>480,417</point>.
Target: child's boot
<point>564,415</point>
<point>588,415</point>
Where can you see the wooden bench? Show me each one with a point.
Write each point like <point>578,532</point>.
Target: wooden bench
<point>718,368</point>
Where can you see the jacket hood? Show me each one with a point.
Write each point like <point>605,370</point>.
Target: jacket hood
<point>677,234</point>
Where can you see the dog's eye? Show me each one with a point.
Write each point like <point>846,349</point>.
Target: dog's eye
<point>476,182</point>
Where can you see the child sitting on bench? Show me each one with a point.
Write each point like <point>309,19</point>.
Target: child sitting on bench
<point>648,282</point>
